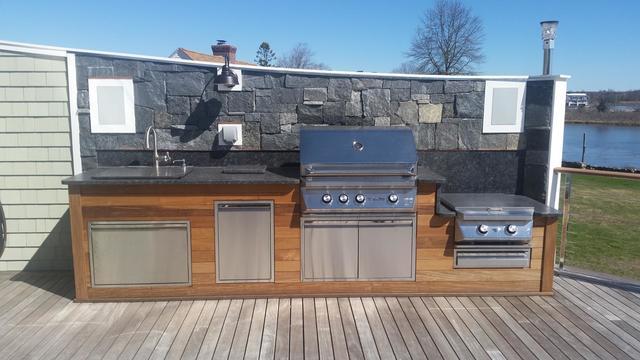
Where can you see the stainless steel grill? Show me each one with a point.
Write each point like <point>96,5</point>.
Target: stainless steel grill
<point>493,237</point>
<point>367,169</point>
<point>358,195</point>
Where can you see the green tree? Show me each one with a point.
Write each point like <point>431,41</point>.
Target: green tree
<point>265,56</point>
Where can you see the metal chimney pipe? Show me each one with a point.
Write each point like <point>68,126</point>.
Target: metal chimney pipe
<point>548,43</point>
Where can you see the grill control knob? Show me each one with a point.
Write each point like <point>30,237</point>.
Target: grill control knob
<point>343,198</point>
<point>326,198</point>
<point>483,229</point>
<point>360,198</point>
<point>511,229</point>
<point>393,198</point>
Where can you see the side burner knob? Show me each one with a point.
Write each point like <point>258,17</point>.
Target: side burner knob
<point>393,198</point>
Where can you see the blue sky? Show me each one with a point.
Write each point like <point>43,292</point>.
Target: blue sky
<point>597,41</point>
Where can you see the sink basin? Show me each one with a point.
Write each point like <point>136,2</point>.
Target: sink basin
<point>142,172</point>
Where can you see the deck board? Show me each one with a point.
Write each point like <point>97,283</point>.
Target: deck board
<point>582,320</point>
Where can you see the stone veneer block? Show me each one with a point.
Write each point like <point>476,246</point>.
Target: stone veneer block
<point>305,81</point>
<point>424,136</point>
<point>185,83</point>
<point>339,89</point>
<point>429,113</point>
<point>408,112</point>
<point>364,84</point>
<point>376,102</point>
<point>315,94</point>
<point>269,123</point>
<point>396,84</point>
<point>470,105</point>
<point>354,106</point>
<point>382,121</point>
<point>309,114</point>
<point>240,101</point>
<point>446,136</point>
<point>427,87</point>
<point>282,141</point>
<point>459,86</point>
<point>333,112</point>
<point>400,94</point>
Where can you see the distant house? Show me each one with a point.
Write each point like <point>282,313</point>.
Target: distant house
<point>577,100</point>
<point>217,56</point>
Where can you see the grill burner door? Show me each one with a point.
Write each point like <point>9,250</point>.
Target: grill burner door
<point>330,250</point>
<point>386,250</point>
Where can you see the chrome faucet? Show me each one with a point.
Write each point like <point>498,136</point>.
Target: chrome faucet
<point>156,158</point>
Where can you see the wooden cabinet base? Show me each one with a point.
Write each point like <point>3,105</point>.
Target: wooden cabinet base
<point>434,246</point>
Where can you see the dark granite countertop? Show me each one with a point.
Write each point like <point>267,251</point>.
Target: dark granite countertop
<point>215,175</point>
<point>456,200</point>
<point>199,175</point>
<point>427,175</point>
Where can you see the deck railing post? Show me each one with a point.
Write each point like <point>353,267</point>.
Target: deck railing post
<point>565,220</point>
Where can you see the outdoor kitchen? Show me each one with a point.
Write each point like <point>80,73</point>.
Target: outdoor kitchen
<point>279,182</point>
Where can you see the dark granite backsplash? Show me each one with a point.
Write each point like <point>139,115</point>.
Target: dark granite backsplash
<point>445,116</point>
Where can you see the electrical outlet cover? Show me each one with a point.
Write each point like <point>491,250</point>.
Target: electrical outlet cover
<point>238,128</point>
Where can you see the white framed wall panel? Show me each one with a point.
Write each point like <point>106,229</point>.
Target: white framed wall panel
<point>111,104</point>
<point>504,107</point>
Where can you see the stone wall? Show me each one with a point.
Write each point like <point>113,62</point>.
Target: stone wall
<point>182,103</point>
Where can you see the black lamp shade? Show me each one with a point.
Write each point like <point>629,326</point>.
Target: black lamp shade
<point>226,77</point>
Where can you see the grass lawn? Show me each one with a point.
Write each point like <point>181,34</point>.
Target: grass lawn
<point>604,227</point>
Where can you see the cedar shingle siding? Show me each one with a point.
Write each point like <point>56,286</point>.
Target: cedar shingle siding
<point>35,154</point>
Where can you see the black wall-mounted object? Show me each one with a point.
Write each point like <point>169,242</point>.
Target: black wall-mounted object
<point>3,230</point>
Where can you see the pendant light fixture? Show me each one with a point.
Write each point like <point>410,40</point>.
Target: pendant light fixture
<point>226,77</point>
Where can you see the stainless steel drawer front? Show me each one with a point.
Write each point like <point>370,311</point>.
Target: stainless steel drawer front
<point>139,253</point>
<point>244,241</point>
<point>330,250</point>
<point>492,258</point>
<point>386,250</point>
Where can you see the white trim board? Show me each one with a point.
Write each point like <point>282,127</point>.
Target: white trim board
<point>276,69</point>
<point>74,122</point>
<point>556,142</point>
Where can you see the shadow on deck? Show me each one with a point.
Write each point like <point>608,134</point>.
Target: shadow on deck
<point>582,320</point>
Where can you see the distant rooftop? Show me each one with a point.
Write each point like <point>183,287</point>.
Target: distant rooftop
<point>218,51</point>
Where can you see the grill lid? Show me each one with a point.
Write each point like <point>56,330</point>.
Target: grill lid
<point>357,150</point>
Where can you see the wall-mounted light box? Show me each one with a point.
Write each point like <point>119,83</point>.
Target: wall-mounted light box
<point>504,107</point>
<point>112,108</point>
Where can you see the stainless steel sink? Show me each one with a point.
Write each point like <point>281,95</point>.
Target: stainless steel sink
<point>143,172</point>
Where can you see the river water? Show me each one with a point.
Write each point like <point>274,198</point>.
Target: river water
<point>609,146</point>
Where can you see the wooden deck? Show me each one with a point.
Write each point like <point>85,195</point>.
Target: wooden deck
<point>38,320</point>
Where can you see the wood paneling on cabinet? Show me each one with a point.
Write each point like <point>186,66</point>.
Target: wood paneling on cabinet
<point>434,255</point>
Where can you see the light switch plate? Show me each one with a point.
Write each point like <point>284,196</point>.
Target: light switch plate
<point>238,87</point>
<point>238,130</point>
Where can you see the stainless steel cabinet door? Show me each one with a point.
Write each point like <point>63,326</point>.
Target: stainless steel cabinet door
<point>330,250</point>
<point>133,253</point>
<point>386,250</point>
<point>244,241</point>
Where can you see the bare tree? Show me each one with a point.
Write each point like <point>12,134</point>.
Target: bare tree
<point>300,57</point>
<point>407,67</point>
<point>448,40</point>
